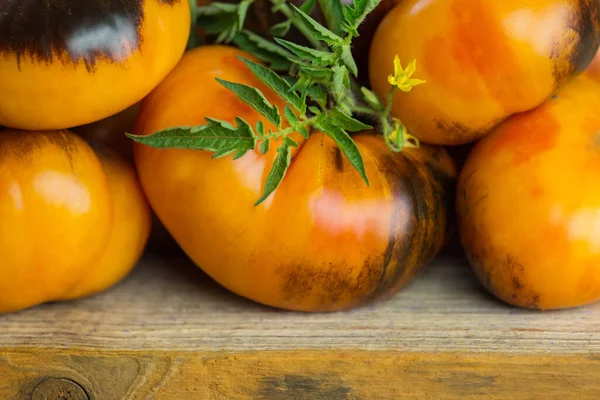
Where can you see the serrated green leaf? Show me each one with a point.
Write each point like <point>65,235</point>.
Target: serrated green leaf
<point>242,11</point>
<point>333,14</point>
<point>372,99</point>
<point>314,110</point>
<point>277,84</point>
<point>345,143</point>
<point>260,127</point>
<point>219,137</point>
<point>318,30</point>
<point>264,146</point>
<point>281,29</point>
<point>348,59</point>
<point>340,74</point>
<point>316,57</point>
<point>317,73</point>
<point>279,168</point>
<point>308,6</point>
<point>216,8</point>
<point>290,116</point>
<point>356,13</point>
<point>303,131</point>
<point>318,95</point>
<point>255,99</point>
<point>268,52</point>
<point>346,122</point>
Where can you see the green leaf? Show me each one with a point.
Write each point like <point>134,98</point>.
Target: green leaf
<point>255,99</point>
<point>334,15</point>
<point>356,13</point>
<point>308,6</point>
<point>345,143</point>
<point>279,168</point>
<point>372,99</point>
<point>303,131</point>
<point>277,84</point>
<point>290,116</point>
<point>314,110</point>
<point>318,95</point>
<point>346,122</point>
<point>317,73</point>
<point>263,49</point>
<point>340,77</point>
<point>264,146</point>
<point>316,57</point>
<point>242,11</point>
<point>348,59</point>
<point>318,30</point>
<point>281,29</point>
<point>260,128</point>
<point>216,136</point>
<point>216,8</point>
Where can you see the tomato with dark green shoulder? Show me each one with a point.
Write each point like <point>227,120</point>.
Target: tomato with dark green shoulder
<point>65,63</point>
<point>324,240</point>
<point>528,203</point>
<point>482,60</point>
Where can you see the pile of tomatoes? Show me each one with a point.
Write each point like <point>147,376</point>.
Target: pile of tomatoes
<point>513,84</point>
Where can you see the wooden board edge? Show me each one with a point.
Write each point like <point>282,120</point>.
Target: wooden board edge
<point>278,375</point>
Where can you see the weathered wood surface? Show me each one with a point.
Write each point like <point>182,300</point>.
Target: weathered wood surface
<point>168,332</point>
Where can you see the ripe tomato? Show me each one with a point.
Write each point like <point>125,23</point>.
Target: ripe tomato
<point>324,240</point>
<point>72,224</point>
<point>528,203</point>
<point>69,63</point>
<point>482,60</point>
<point>594,68</point>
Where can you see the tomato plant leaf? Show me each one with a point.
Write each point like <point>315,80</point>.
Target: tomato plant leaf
<point>264,146</point>
<point>255,99</point>
<point>344,142</point>
<point>219,137</point>
<point>279,168</point>
<point>340,76</point>
<point>268,52</point>
<point>290,116</point>
<point>333,13</point>
<point>371,98</point>
<point>281,29</point>
<point>260,128</point>
<point>356,13</point>
<point>316,57</point>
<point>276,83</point>
<point>348,59</point>
<point>308,6</point>
<point>346,122</point>
<point>319,31</point>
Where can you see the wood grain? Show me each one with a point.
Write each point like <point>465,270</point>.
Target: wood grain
<point>169,332</point>
<point>168,304</point>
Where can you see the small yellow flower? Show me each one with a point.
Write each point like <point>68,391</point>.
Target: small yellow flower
<point>401,138</point>
<point>402,77</point>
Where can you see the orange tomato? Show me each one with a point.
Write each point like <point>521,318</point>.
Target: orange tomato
<point>528,203</point>
<point>64,64</point>
<point>483,60</point>
<point>324,240</point>
<point>71,224</point>
<point>594,68</point>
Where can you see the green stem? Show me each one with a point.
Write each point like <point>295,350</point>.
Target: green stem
<point>288,131</point>
<point>287,11</point>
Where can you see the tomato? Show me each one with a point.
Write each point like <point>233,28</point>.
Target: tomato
<point>528,203</point>
<point>594,68</point>
<point>66,63</point>
<point>72,223</point>
<point>323,240</point>
<point>483,60</point>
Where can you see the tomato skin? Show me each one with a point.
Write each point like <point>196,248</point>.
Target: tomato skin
<point>92,60</point>
<point>57,217</point>
<point>594,68</point>
<point>323,241</point>
<point>528,203</point>
<point>483,61</point>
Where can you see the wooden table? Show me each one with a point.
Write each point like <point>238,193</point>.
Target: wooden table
<point>168,332</point>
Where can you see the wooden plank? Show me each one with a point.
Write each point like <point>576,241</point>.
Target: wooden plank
<point>308,375</point>
<point>168,304</point>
